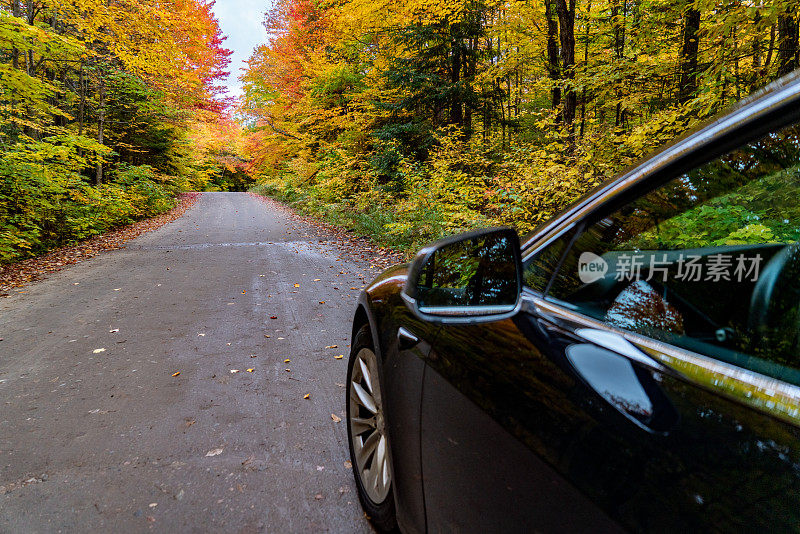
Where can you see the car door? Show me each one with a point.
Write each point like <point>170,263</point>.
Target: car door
<point>404,342</point>
<point>653,381</point>
<point>485,464</point>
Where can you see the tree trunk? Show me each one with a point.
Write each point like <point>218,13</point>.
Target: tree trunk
<point>14,57</point>
<point>566,21</point>
<point>787,43</point>
<point>31,15</point>
<point>100,130</point>
<point>619,53</point>
<point>770,50</point>
<point>757,50</point>
<point>552,52</point>
<point>82,102</point>
<point>487,106</point>
<point>691,28</point>
<point>619,30</point>
<point>585,64</point>
<point>456,108</point>
<point>736,64</point>
<point>470,71</point>
<point>15,52</point>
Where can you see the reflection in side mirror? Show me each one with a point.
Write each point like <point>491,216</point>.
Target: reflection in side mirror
<point>470,276</point>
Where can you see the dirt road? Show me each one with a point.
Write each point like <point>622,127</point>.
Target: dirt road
<point>96,434</point>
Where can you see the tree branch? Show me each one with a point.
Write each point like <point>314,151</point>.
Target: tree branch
<point>277,129</point>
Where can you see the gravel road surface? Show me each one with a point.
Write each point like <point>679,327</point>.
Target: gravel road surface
<point>96,434</point>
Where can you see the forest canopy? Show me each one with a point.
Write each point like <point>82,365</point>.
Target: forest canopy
<point>101,104</point>
<point>408,120</point>
<point>402,120</point>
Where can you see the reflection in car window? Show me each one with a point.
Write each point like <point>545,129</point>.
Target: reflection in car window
<point>709,261</point>
<point>540,268</point>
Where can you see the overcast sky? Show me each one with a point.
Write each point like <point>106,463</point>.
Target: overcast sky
<point>241,22</point>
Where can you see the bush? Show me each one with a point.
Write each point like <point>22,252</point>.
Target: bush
<point>46,202</point>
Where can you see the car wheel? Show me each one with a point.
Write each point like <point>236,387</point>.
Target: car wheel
<point>366,430</point>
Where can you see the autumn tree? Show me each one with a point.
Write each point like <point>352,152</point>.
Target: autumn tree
<point>469,112</point>
<point>95,99</point>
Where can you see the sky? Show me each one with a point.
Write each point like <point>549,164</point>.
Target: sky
<point>241,22</point>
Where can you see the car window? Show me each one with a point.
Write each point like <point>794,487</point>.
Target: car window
<point>709,261</point>
<point>540,267</point>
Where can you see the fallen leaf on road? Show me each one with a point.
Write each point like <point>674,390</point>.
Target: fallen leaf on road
<point>297,285</point>
<point>332,347</point>
<point>201,335</point>
<point>250,370</point>
<point>348,464</point>
<point>117,289</point>
<point>318,496</point>
<point>273,317</point>
<point>176,373</point>
<point>98,351</point>
<point>317,279</point>
<point>266,335</point>
<point>234,371</point>
<point>287,360</point>
<point>335,418</point>
<point>320,468</point>
<point>244,291</point>
<point>307,395</point>
<point>153,504</point>
<point>113,331</point>
<point>322,302</point>
<point>355,288</point>
<point>214,452</point>
<point>340,385</point>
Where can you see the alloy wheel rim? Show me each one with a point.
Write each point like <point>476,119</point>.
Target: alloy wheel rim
<point>367,428</point>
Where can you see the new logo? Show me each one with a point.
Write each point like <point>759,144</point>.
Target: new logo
<point>591,267</point>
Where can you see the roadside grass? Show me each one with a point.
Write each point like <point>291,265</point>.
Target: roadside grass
<point>384,224</point>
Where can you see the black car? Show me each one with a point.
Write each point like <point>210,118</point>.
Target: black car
<point>633,365</point>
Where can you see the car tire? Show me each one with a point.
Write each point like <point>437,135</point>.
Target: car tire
<point>369,450</point>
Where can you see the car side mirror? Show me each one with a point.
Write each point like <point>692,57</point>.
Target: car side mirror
<point>469,278</point>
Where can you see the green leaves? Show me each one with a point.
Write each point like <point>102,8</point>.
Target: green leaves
<point>46,202</point>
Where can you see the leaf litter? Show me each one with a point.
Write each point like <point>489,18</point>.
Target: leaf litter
<point>18,274</point>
